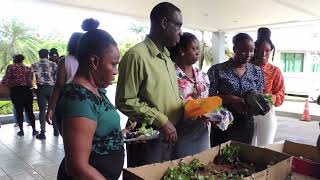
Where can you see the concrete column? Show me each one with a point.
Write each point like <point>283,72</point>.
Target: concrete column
<point>218,46</point>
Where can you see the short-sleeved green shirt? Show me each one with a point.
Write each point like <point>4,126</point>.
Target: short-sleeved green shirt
<point>77,101</point>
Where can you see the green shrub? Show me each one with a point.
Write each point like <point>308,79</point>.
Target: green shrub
<point>6,107</point>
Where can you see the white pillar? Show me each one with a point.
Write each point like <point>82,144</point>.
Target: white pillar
<point>218,46</point>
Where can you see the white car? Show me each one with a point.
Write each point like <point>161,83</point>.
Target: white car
<point>315,96</point>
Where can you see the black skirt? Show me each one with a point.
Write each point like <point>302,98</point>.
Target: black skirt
<point>241,130</point>
<point>110,165</point>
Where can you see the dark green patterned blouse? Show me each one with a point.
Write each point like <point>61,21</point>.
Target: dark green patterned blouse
<point>77,101</point>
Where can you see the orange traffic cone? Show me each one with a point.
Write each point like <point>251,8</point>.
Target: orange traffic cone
<point>306,115</point>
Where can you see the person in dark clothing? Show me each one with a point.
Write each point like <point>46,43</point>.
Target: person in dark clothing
<point>54,55</point>
<point>231,80</point>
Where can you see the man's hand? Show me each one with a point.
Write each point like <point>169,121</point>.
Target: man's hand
<point>169,132</point>
<point>49,116</point>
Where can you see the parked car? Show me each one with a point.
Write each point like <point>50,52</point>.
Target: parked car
<point>315,96</point>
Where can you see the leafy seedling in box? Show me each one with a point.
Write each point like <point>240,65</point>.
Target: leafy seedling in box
<point>228,155</point>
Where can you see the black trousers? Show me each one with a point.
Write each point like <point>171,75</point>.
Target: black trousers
<point>22,98</point>
<point>110,166</point>
<point>241,130</point>
<point>152,151</point>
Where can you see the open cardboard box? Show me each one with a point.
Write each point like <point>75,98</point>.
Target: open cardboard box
<point>308,165</point>
<point>279,171</point>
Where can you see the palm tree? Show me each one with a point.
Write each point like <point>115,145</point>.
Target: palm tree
<point>54,41</point>
<point>16,37</point>
<point>206,53</point>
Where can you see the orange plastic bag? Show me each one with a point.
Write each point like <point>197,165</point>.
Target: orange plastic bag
<point>197,107</point>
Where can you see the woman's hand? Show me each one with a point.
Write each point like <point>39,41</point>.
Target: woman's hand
<point>237,103</point>
<point>49,116</point>
<point>204,119</point>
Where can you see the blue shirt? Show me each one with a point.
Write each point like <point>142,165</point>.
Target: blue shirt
<point>224,81</point>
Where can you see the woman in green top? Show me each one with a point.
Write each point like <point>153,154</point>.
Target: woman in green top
<point>89,123</point>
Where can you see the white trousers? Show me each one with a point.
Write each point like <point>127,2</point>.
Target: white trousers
<point>265,128</point>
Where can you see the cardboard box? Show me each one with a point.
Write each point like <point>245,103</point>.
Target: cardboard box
<point>308,165</point>
<point>279,171</point>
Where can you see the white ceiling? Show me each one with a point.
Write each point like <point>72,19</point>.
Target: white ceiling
<point>214,15</point>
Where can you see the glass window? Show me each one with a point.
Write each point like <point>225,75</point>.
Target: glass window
<point>315,62</point>
<point>292,62</point>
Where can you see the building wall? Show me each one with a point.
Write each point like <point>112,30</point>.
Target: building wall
<point>300,83</point>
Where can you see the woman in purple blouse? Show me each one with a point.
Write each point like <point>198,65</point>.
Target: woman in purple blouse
<point>18,78</point>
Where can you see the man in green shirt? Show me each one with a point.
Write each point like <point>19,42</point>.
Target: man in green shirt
<point>147,89</point>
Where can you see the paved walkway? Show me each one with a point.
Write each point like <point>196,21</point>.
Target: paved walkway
<point>26,158</point>
<point>296,108</point>
<point>297,131</point>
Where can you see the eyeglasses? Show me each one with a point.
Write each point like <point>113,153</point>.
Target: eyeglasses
<point>175,23</point>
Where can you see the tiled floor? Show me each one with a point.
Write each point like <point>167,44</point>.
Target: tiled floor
<point>297,131</point>
<point>27,157</point>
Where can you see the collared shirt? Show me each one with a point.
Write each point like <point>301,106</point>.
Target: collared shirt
<point>17,74</point>
<point>147,87</point>
<point>274,83</point>
<point>194,88</point>
<point>45,72</point>
<point>224,81</point>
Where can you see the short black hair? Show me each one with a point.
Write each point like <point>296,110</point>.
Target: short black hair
<point>93,42</point>
<point>43,53</point>
<point>161,10</point>
<point>53,51</point>
<point>18,58</point>
<point>73,43</point>
<point>264,35</point>
<point>185,40</point>
<point>238,38</point>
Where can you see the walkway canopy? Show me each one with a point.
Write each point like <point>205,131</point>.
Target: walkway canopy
<point>214,15</point>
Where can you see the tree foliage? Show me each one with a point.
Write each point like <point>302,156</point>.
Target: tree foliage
<point>54,41</point>
<point>139,30</point>
<point>17,37</point>
<point>125,45</point>
<point>206,55</point>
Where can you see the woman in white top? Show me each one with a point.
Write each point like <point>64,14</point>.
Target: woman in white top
<point>67,68</point>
